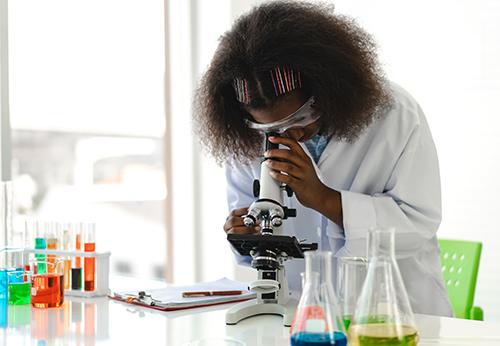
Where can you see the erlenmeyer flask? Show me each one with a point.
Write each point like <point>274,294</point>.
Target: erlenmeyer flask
<point>317,318</point>
<point>383,314</point>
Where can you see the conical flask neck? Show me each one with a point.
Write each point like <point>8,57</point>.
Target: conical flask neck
<point>311,280</point>
<point>319,263</point>
<point>381,244</point>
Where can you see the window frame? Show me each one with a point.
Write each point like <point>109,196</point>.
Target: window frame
<point>5,142</point>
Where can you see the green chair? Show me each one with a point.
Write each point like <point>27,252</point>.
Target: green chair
<point>460,264</point>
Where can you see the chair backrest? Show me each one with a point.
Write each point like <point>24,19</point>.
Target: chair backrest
<point>460,264</point>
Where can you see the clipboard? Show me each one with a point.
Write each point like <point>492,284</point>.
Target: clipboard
<point>170,298</point>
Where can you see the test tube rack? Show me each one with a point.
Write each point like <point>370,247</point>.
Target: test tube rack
<point>101,270</point>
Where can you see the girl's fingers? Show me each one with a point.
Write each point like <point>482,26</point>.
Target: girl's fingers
<point>286,167</point>
<point>238,212</point>
<point>233,221</point>
<point>285,179</point>
<point>287,156</point>
<point>289,142</point>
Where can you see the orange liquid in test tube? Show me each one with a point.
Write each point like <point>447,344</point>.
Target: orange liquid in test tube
<point>89,269</point>
<point>78,248</point>
<point>67,274</point>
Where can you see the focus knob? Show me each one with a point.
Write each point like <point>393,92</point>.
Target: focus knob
<point>256,188</point>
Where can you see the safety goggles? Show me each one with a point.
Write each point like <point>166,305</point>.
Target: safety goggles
<point>302,117</point>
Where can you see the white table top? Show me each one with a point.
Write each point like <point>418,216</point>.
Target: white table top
<point>102,321</point>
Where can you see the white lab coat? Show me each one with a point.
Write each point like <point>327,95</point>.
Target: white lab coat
<point>388,177</point>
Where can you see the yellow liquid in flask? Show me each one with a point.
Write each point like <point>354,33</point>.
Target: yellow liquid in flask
<point>378,334</point>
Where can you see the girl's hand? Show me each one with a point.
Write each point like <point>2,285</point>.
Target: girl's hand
<point>294,167</point>
<point>234,223</point>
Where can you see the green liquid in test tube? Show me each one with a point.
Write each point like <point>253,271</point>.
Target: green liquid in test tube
<point>40,244</point>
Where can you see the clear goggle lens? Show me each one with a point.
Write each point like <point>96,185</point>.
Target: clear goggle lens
<point>302,117</point>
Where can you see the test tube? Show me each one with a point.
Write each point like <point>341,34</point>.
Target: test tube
<point>78,242</point>
<point>89,245</point>
<point>76,270</point>
<point>40,244</point>
<point>66,244</point>
<point>52,243</point>
<point>29,232</point>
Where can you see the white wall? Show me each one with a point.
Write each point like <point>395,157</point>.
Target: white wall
<point>447,54</point>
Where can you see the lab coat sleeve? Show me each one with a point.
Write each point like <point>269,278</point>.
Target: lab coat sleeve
<point>410,202</point>
<point>239,188</point>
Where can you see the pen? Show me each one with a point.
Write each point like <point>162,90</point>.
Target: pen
<point>210,293</point>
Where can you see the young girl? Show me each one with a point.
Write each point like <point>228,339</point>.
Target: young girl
<point>355,148</point>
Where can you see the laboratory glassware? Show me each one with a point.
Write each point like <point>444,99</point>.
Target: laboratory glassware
<point>19,287</point>
<point>317,318</point>
<point>351,274</point>
<point>52,241</point>
<point>3,312</point>
<point>89,269</point>
<point>6,213</point>
<point>76,269</point>
<point>66,246</point>
<point>11,259</point>
<point>40,244</point>
<point>47,288</point>
<point>383,313</point>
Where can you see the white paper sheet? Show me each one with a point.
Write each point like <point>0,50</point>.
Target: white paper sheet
<point>171,296</point>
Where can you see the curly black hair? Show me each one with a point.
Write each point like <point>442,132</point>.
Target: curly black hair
<point>336,58</point>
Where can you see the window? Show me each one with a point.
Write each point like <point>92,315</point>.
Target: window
<point>87,117</point>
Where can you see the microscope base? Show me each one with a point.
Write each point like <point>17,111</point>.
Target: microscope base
<point>253,308</point>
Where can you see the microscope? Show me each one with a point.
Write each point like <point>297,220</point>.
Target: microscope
<point>268,250</point>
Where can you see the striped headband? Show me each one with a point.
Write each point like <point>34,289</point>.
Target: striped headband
<point>284,79</point>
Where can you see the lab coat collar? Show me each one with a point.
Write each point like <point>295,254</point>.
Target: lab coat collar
<point>322,158</point>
